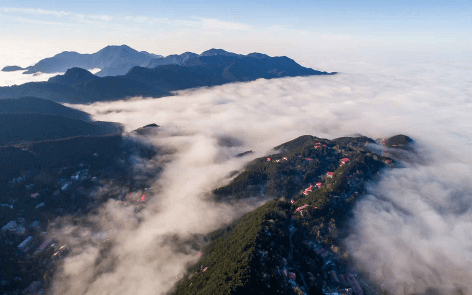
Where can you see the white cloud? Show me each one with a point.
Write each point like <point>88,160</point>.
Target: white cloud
<point>92,18</point>
<point>35,11</point>
<point>411,231</point>
<point>59,14</point>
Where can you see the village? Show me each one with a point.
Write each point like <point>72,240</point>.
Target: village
<point>303,253</point>
<point>309,264</point>
<point>30,204</point>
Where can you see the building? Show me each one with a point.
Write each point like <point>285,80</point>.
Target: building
<point>308,190</point>
<point>25,243</point>
<point>11,226</point>
<point>330,174</point>
<point>43,246</point>
<point>65,186</point>
<point>354,284</point>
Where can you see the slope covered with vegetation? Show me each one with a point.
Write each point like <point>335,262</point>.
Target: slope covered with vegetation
<point>15,128</point>
<point>291,245</point>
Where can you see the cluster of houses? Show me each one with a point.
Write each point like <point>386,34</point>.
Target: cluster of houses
<point>278,160</point>
<point>309,189</point>
<point>334,283</point>
<point>30,247</point>
<point>318,145</point>
<point>301,208</point>
<point>136,197</point>
<point>334,279</point>
<point>24,241</point>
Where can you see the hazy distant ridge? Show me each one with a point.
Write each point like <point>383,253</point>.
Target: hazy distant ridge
<point>112,60</point>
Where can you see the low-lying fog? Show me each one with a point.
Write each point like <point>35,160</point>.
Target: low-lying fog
<point>412,231</point>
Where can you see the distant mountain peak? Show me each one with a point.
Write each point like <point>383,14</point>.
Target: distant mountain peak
<point>73,76</point>
<point>215,51</point>
<point>258,55</point>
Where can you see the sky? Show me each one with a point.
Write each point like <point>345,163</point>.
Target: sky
<point>302,29</point>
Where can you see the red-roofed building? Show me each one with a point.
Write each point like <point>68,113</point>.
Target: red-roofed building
<point>344,161</point>
<point>319,184</point>
<point>301,208</point>
<point>268,159</point>
<point>308,190</point>
<point>330,174</point>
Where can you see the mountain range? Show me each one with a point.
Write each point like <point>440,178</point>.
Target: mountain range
<point>157,78</point>
<point>111,60</point>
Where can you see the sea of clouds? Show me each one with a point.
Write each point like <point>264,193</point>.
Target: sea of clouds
<point>411,233</point>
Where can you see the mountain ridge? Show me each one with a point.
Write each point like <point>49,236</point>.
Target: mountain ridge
<point>176,72</point>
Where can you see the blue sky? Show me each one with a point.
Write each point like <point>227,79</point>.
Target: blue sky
<point>275,27</point>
